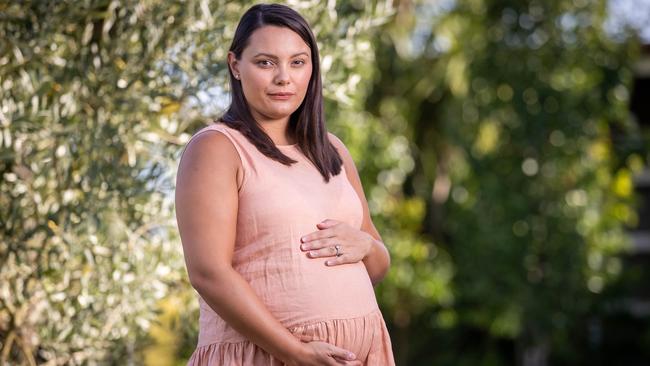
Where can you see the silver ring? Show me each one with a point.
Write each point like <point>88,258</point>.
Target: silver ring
<point>338,250</point>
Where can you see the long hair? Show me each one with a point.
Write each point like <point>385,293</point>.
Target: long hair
<point>307,123</point>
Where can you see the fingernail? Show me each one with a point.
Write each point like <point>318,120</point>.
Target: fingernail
<point>302,240</point>
<point>328,263</point>
<point>313,254</point>
<point>350,356</point>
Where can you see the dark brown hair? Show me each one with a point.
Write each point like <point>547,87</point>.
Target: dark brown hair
<point>307,123</point>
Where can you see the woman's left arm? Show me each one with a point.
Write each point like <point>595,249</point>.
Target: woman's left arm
<point>377,260</point>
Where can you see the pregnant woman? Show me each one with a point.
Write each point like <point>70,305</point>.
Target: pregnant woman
<point>275,227</point>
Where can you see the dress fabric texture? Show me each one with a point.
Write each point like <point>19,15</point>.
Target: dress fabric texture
<point>279,204</point>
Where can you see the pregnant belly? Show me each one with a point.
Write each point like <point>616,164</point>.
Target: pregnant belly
<point>308,291</point>
<point>297,291</point>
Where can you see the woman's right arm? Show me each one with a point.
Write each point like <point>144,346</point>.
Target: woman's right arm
<point>206,213</point>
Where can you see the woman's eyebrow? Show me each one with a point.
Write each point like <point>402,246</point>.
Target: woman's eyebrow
<point>276,57</point>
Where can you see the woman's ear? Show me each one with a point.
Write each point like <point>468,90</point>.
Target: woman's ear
<point>233,64</point>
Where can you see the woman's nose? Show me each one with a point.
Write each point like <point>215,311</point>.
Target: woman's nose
<point>282,76</point>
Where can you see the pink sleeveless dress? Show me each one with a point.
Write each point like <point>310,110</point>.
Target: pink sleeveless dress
<point>277,206</point>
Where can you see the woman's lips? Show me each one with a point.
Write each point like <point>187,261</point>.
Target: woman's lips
<point>280,96</point>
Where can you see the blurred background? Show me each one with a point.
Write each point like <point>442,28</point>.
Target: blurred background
<point>503,147</point>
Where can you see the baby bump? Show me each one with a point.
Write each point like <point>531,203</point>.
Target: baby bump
<point>338,292</point>
<point>309,291</point>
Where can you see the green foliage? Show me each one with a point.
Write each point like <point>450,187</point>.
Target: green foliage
<point>85,249</point>
<point>536,138</point>
<point>511,106</point>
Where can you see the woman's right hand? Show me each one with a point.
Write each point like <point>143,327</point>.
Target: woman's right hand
<point>317,353</point>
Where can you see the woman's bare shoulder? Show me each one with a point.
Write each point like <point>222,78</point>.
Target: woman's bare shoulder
<point>209,155</point>
<point>342,149</point>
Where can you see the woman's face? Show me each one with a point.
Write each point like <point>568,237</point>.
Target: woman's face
<point>274,71</point>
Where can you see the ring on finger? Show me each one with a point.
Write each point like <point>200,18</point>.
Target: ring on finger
<point>338,250</point>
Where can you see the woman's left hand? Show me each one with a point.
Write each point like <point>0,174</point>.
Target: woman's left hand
<point>354,244</point>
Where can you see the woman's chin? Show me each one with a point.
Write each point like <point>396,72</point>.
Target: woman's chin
<point>280,113</point>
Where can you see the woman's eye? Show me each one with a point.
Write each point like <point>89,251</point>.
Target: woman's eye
<point>299,62</point>
<point>264,63</point>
